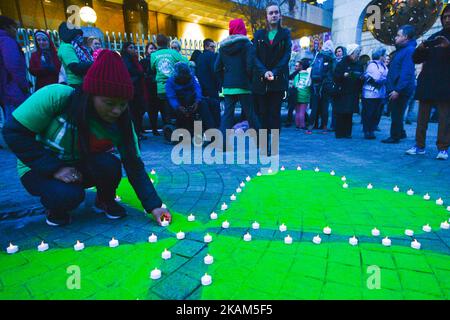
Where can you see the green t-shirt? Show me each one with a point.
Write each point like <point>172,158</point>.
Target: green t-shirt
<point>232,91</point>
<point>44,114</point>
<point>163,62</point>
<point>272,34</point>
<point>303,87</point>
<point>67,55</point>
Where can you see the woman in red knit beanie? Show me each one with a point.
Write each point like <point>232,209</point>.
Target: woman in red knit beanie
<point>63,140</point>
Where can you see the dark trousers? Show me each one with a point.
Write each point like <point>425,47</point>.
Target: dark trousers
<point>320,102</point>
<point>343,125</point>
<point>60,197</point>
<point>397,108</point>
<point>246,101</point>
<point>137,110</point>
<point>214,108</point>
<point>155,106</point>
<point>292,102</point>
<point>443,139</point>
<point>269,108</point>
<point>370,114</point>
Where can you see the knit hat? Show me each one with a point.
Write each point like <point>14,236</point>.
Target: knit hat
<point>237,26</point>
<point>352,48</point>
<point>109,77</point>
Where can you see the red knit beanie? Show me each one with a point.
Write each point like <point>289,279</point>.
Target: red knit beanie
<point>109,77</point>
<point>237,26</point>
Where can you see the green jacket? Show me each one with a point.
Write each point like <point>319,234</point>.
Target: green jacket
<point>67,55</point>
<point>163,62</point>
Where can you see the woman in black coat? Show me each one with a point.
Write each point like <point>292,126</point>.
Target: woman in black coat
<point>348,76</point>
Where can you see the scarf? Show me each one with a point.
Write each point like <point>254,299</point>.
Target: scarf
<point>82,52</point>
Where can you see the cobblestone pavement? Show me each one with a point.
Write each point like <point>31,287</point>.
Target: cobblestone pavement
<point>202,188</point>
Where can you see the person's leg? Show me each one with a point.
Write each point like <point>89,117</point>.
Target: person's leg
<point>339,129</point>
<point>365,116</point>
<point>324,105</point>
<point>374,120</point>
<point>443,140</point>
<point>205,114</point>
<point>422,123</point>
<point>302,112</point>
<point>214,108</point>
<point>228,116</point>
<point>152,109</point>
<point>292,104</point>
<point>314,106</point>
<point>297,115</point>
<point>276,99</point>
<point>247,104</point>
<point>56,196</point>
<point>397,111</point>
<point>349,125</point>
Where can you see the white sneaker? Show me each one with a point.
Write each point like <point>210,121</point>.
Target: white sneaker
<point>415,150</point>
<point>442,155</point>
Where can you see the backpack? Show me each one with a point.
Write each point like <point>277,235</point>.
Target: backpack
<point>319,68</point>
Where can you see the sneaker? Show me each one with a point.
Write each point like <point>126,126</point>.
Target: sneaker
<point>56,220</point>
<point>415,150</point>
<point>442,155</point>
<point>111,209</point>
<point>308,131</point>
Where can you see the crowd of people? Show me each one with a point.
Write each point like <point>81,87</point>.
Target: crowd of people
<point>88,100</point>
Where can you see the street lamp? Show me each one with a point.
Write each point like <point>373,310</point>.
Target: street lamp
<point>88,15</point>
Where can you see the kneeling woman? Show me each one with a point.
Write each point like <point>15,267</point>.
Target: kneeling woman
<point>63,139</point>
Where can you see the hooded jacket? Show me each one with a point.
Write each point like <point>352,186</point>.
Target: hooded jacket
<point>271,57</point>
<point>234,62</point>
<point>45,74</point>
<point>13,73</point>
<point>401,76</point>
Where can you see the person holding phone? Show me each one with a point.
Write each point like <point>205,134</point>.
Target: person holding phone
<point>433,87</point>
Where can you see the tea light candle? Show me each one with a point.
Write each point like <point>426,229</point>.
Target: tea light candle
<point>155,274</point>
<point>166,254</point>
<point>269,171</point>
<point>445,225</point>
<point>409,232</point>
<point>386,242</point>
<point>426,197</point>
<point>12,249</point>
<point>213,215</point>
<point>191,218</point>
<point>375,232</point>
<point>238,190</point>
<point>439,202</point>
<point>345,185</point>
<point>180,235</point>
<point>332,173</point>
<point>152,181</point>
<point>153,238</point>
<point>344,178</point>
<point>224,207</point>
<point>426,228</point>
<point>327,230</point>
<point>396,189</point>
<point>206,280</point>
<point>317,239</point>
<point>242,184</point>
<point>353,241</point>
<point>283,227</point>
<point>225,224</point>
<point>207,238</point>
<point>316,169</point>
<point>113,243</point>
<point>42,247</point>
<point>288,239</point>
<point>153,171</point>
<point>415,244</point>
<point>299,168</point>
<point>370,186</point>
<point>164,223</point>
<point>247,237</point>
<point>255,225</point>
<point>248,179</point>
<point>164,206</point>
<point>259,174</point>
<point>448,208</point>
<point>410,192</point>
<point>233,197</point>
<point>78,246</point>
<point>282,168</point>
<point>208,259</point>
<point>117,198</point>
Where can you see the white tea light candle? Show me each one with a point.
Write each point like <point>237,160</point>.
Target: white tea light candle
<point>155,274</point>
<point>12,249</point>
<point>78,246</point>
<point>317,239</point>
<point>207,238</point>
<point>225,224</point>
<point>113,243</point>
<point>375,232</point>
<point>255,225</point>
<point>283,227</point>
<point>247,237</point>
<point>166,254</point>
<point>43,247</point>
<point>206,280</point>
<point>426,228</point>
<point>153,238</point>
<point>208,259</point>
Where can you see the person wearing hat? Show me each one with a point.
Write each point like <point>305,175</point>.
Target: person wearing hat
<point>233,67</point>
<point>433,88</point>
<point>44,62</point>
<point>63,139</point>
<point>75,57</point>
<point>348,76</point>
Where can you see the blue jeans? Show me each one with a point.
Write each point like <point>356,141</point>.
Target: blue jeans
<point>60,197</point>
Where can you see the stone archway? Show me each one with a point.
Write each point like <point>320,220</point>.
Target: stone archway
<point>347,26</point>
